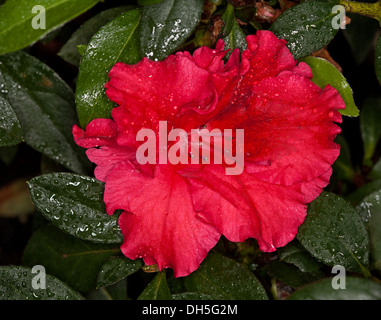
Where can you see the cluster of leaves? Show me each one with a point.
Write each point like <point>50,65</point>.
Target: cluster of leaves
<point>74,238</point>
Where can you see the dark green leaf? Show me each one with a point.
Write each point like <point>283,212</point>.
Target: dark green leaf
<point>375,173</point>
<point>17,28</point>
<point>370,124</point>
<point>116,41</point>
<point>75,204</point>
<point>164,26</point>
<point>191,296</point>
<point>16,283</point>
<point>70,259</point>
<point>223,278</point>
<point>116,269</point>
<point>295,254</point>
<point>355,289</point>
<point>357,196</point>
<point>45,107</point>
<point>235,39</point>
<point>289,274</point>
<point>334,233</point>
<point>157,289</point>
<point>10,129</point>
<point>117,291</point>
<point>81,37</point>
<point>325,73</point>
<point>378,59</point>
<point>343,165</point>
<point>370,209</point>
<point>229,19</point>
<point>360,34</point>
<point>307,27</point>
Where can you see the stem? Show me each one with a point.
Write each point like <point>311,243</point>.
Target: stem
<point>372,10</point>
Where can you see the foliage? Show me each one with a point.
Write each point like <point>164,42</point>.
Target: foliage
<point>54,77</point>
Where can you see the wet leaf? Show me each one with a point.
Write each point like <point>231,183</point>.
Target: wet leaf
<point>307,27</point>
<point>235,39</point>
<point>355,289</point>
<point>44,105</point>
<point>370,125</point>
<point>10,128</point>
<point>116,41</point>
<point>157,289</point>
<point>16,284</point>
<point>164,26</point>
<point>74,261</point>
<point>116,269</point>
<point>20,27</point>
<point>75,204</point>
<point>370,209</point>
<point>324,73</point>
<point>334,233</point>
<point>81,37</point>
<point>223,278</point>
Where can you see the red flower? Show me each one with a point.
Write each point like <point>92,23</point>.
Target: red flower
<point>174,214</point>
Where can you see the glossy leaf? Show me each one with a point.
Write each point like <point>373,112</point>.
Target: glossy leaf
<point>295,254</point>
<point>16,283</point>
<point>75,204</point>
<point>358,195</point>
<point>70,259</point>
<point>378,59</point>
<point>81,37</point>
<point>10,128</point>
<point>21,25</point>
<point>235,39</point>
<point>116,41</point>
<point>370,209</point>
<point>148,2</point>
<point>215,278</point>
<point>324,73</point>
<point>334,233</point>
<point>164,26</point>
<point>157,289</point>
<point>307,27</point>
<point>116,269</point>
<point>370,125</point>
<point>44,105</point>
<point>355,289</point>
<point>228,18</point>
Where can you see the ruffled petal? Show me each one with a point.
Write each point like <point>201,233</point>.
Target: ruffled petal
<point>159,223</point>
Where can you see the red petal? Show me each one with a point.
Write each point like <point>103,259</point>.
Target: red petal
<point>245,207</point>
<point>159,223</point>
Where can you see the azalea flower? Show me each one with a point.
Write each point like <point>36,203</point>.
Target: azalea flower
<point>173,215</point>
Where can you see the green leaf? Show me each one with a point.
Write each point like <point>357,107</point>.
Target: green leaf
<point>378,59</point>
<point>116,41</point>
<point>235,39</point>
<point>70,259</point>
<point>343,166</point>
<point>307,27</point>
<point>325,73</point>
<point>116,269</point>
<point>355,289</point>
<point>45,107</point>
<point>10,128</point>
<point>229,19</point>
<point>16,283</point>
<point>370,125</point>
<point>157,289</point>
<point>75,204</point>
<point>357,196</point>
<point>360,34</point>
<point>117,291</point>
<point>191,296</point>
<point>289,274</point>
<point>375,173</point>
<point>81,37</point>
<point>16,20</point>
<point>370,208</point>
<point>334,233</point>
<point>223,278</point>
<point>295,254</point>
<point>164,26</point>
